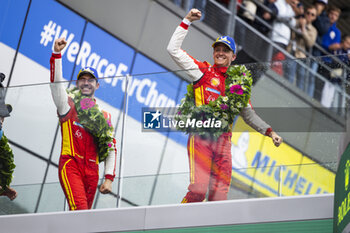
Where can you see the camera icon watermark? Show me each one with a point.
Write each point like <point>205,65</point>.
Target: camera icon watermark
<point>152,119</point>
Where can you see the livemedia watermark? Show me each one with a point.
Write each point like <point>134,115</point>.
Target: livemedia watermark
<point>163,119</point>
<point>281,119</point>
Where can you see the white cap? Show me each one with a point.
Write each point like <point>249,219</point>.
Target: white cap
<point>323,1</point>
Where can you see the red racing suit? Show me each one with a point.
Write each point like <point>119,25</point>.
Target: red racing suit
<point>78,164</point>
<point>210,161</point>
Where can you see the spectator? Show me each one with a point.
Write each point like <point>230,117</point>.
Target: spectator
<point>298,9</point>
<point>301,41</point>
<point>281,29</point>
<point>343,53</point>
<point>331,40</point>
<point>331,43</point>
<point>268,16</point>
<point>338,73</point>
<point>321,24</point>
<point>248,13</point>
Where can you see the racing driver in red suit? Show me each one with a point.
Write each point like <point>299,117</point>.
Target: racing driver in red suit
<point>210,159</point>
<point>79,161</point>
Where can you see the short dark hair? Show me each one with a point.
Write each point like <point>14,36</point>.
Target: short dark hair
<point>333,8</point>
<point>311,7</point>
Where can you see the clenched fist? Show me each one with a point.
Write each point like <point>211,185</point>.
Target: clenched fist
<point>106,187</point>
<point>276,139</point>
<point>193,14</point>
<point>60,43</point>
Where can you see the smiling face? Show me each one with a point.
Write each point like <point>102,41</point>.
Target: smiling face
<point>223,55</point>
<point>87,85</point>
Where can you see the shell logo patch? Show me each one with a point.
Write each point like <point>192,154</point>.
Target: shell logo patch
<point>215,82</point>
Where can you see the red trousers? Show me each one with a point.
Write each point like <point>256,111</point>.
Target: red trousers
<point>78,181</point>
<point>210,167</point>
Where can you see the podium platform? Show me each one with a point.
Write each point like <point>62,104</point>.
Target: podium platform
<point>312,213</point>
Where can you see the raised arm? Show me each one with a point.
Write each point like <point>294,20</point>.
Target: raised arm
<point>193,68</point>
<point>253,120</point>
<point>58,91</point>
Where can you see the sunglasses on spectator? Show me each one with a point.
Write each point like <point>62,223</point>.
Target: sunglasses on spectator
<point>310,13</point>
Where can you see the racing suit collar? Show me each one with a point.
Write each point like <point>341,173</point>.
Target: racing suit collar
<point>221,69</point>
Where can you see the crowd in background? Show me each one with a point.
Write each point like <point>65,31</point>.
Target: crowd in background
<point>303,31</point>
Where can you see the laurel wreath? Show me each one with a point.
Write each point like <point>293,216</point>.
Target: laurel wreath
<point>91,117</point>
<point>225,108</point>
<point>7,164</point>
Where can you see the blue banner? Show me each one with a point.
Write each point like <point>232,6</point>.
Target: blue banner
<point>12,15</point>
<point>157,87</point>
<point>110,57</point>
<point>46,21</point>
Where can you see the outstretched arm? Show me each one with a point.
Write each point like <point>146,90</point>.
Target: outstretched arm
<point>58,91</point>
<point>253,120</point>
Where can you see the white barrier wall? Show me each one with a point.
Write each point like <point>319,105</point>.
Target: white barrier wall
<point>224,213</point>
